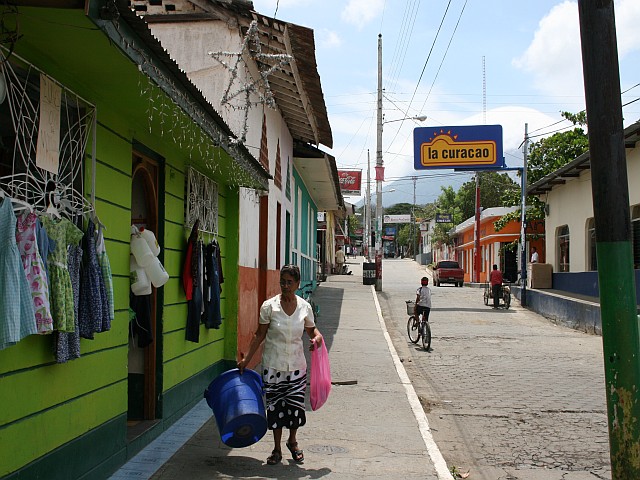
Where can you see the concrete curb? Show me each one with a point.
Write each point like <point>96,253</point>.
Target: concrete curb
<point>434,452</point>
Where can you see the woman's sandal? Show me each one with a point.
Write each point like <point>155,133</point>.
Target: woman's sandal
<point>297,455</point>
<point>274,458</point>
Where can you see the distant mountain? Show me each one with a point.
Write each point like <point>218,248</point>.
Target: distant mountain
<point>428,190</point>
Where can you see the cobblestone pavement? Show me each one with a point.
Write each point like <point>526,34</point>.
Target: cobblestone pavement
<point>508,394</point>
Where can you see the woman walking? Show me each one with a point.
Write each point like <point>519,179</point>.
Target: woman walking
<point>283,320</point>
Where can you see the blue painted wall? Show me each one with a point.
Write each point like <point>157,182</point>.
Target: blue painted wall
<point>584,283</point>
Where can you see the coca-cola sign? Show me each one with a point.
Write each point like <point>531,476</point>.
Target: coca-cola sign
<point>350,181</point>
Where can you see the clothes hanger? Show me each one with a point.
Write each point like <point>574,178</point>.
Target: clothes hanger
<point>18,204</point>
<point>52,210</point>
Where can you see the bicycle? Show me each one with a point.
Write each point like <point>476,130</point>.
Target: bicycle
<point>418,328</point>
<point>307,292</point>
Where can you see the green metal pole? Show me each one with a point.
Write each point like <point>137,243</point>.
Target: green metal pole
<point>609,184</point>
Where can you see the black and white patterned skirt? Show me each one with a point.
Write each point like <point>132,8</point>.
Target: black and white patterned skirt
<point>284,392</point>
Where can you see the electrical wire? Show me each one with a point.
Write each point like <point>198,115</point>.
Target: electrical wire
<point>434,79</point>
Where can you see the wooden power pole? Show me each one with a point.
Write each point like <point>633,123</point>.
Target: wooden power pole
<point>613,234</point>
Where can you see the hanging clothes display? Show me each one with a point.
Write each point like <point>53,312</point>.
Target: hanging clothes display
<point>17,317</point>
<point>190,280</point>
<point>45,245</point>
<point>93,310</point>
<point>34,270</point>
<point>211,286</point>
<point>64,233</point>
<point>107,278</point>
<point>68,343</point>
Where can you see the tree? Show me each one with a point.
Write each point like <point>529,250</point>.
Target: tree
<point>544,157</point>
<point>493,187</point>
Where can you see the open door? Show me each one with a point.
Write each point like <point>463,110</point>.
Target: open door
<point>142,348</point>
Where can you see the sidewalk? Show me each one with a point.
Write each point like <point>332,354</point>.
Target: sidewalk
<point>372,425</point>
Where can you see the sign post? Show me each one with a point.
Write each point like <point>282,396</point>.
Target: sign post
<point>472,147</point>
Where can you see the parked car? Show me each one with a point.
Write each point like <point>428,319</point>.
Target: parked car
<point>448,271</point>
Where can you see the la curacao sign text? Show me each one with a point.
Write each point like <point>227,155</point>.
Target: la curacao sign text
<point>475,147</point>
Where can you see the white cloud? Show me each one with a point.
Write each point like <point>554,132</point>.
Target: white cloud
<point>554,57</point>
<point>328,38</point>
<point>361,12</point>
<point>627,20</point>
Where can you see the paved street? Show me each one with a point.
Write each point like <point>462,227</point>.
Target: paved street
<point>508,395</point>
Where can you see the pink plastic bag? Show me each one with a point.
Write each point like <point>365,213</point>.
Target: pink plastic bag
<point>320,376</point>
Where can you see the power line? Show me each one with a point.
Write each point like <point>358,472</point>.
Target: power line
<point>437,72</point>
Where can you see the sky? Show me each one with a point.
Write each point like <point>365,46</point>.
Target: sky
<point>458,62</point>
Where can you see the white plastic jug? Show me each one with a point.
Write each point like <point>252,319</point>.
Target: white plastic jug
<point>156,273</point>
<point>151,240</point>
<point>140,249</point>
<point>140,284</point>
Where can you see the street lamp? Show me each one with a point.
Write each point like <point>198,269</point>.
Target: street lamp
<point>419,118</point>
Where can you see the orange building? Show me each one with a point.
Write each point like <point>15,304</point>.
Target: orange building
<point>496,247</point>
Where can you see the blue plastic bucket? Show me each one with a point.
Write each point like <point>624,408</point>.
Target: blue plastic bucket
<point>237,404</point>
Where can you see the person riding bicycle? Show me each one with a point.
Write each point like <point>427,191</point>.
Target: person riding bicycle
<point>423,299</point>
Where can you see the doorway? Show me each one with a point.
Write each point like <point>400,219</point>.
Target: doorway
<point>143,334</point>
<point>510,266</point>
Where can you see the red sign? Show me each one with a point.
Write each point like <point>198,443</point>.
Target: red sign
<point>350,181</point>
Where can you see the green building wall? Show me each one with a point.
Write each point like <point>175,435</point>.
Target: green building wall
<point>62,421</point>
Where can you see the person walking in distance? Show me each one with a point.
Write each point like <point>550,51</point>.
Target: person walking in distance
<point>423,299</point>
<point>339,260</point>
<point>283,320</point>
<point>495,279</point>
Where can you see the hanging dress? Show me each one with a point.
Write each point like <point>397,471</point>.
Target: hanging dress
<point>34,270</point>
<point>93,311</point>
<point>68,343</point>
<point>107,277</point>
<point>64,233</point>
<point>17,318</point>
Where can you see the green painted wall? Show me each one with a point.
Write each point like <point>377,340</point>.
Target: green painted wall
<point>69,420</point>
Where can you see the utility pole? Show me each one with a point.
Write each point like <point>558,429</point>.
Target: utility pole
<point>379,174</point>
<point>523,219</point>
<point>476,256</point>
<point>610,191</point>
<point>368,209</point>
<point>413,222</point>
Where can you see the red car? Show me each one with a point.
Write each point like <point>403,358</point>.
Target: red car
<point>448,271</point>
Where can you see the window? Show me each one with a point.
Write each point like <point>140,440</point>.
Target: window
<point>39,168</point>
<point>635,232</point>
<point>592,259</point>
<point>562,252</point>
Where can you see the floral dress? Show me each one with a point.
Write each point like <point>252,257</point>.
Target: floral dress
<point>68,343</point>
<point>34,270</point>
<point>61,291</point>
<point>93,311</point>
<point>17,318</point>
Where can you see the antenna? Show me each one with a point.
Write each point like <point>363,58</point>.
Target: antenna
<point>484,92</point>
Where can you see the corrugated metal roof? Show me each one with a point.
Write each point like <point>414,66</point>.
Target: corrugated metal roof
<point>140,28</point>
<point>574,168</point>
<point>296,87</point>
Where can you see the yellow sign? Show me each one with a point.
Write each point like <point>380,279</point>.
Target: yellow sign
<point>445,150</point>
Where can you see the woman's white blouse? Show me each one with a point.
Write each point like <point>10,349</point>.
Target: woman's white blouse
<point>283,347</point>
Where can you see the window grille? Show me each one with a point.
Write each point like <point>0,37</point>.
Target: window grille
<point>62,181</point>
<point>202,202</point>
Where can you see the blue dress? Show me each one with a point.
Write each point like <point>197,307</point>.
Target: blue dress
<point>17,317</point>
